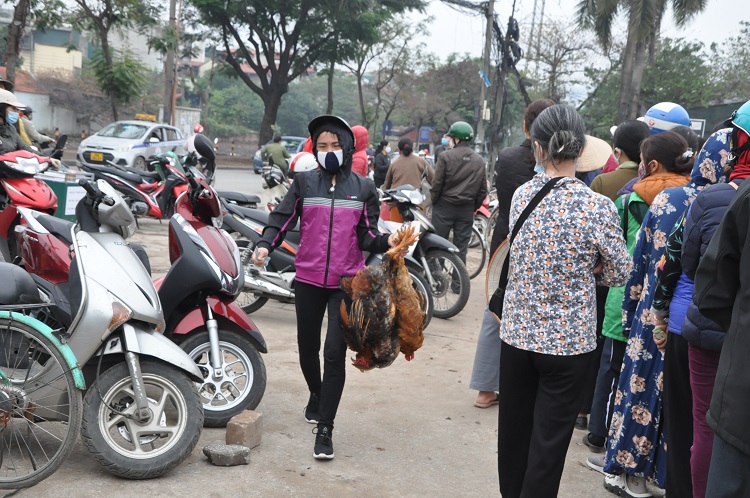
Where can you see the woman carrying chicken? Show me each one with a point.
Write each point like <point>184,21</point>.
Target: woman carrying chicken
<point>338,214</point>
<point>570,242</point>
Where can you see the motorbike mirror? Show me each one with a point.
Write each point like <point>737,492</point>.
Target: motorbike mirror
<point>204,148</point>
<point>61,142</point>
<point>216,140</point>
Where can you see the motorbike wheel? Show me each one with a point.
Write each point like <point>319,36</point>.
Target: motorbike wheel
<point>243,381</point>
<point>161,444</point>
<point>422,286</point>
<point>490,229</point>
<point>249,301</point>
<point>476,255</point>
<point>452,285</point>
<point>40,406</point>
<point>480,224</point>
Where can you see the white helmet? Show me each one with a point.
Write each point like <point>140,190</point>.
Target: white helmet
<point>304,161</point>
<point>8,98</point>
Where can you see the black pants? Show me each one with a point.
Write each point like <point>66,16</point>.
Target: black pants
<point>678,416</point>
<point>588,388</point>
<point>460,219</point>
<point>311,303</point>
<point>540,397</point>
<point>728,476</point>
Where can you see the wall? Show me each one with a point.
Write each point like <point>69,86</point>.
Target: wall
<point>39,102</point>
<point>47,58</point>
<point>138,45</point>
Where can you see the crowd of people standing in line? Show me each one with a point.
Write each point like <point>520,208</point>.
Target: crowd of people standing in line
<point>630,294</point>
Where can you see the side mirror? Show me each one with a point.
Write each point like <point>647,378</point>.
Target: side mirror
<point>153,140</point>
<point>61,142</point>
<point>204,148</point>
<point>216,140</point>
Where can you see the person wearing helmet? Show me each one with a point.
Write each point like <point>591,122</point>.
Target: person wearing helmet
<point>664,116</point>
<point>198,128</point>
<point>9,111</point>
<point>338,214</point>
<point>37,139</point>
<point>459,187</point>
<point>276,154</point>
<point>6,85</point>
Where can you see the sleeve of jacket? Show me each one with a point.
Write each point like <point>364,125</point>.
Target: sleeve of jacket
<point>669,268</point>
<point>691,242</point>
<point>20,144</point>
<point>370,239</point>
<point>34,135</point>
<point>430,173</point>
<point>284,217</point>
<point>437,182</point>
<point>717,279</point>
<point>634,286</point>
<point>388,178</point>
<point>482,192</point>
<point>616,262</point>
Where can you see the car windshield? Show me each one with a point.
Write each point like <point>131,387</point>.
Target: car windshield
<point>123,130</point>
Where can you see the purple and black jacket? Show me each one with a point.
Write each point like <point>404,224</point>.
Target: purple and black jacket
<point>336,225</point>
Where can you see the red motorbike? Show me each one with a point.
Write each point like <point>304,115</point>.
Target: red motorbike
<point>19,189</point>
<point>197,294</point>
<point>148,193</point>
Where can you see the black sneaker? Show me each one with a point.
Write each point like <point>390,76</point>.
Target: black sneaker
<point>594,443</point>
<point>582,423</point>
<point>323,443</point>
<point>311,410</point>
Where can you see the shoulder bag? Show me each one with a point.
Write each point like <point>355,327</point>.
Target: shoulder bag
<point>498,297</point>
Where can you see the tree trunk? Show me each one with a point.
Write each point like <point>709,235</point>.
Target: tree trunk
<point>626,76</point>
<point>329,107</point>
<point>361,93</point>
<point>15,33</point>
<point>272,103</point>
<point>639,66</point>
<point>107,53</point>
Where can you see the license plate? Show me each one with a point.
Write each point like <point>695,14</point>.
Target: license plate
<point>97,156</point>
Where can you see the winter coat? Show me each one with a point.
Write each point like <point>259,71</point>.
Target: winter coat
<point>10,141</point>
<point>276,154</point>
<point>336,225</point>
<point>380,170</point>
<point>359,158</point>
<point>514,167</point>
<point>407,170</point>
<point>609,184</point>
<point>722,289</point>
<point>703,219</point>
<point>460,178</point>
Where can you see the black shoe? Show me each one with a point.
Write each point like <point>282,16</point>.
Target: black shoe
<point>594,443</point>
<point>582,423</point>
<point>311,410</point>
<point>323,443</point>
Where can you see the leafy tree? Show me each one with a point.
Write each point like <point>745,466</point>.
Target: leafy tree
<point>101,17</point>
<point>644,21</point>
<point>730,65</point>
<point>286,38</point>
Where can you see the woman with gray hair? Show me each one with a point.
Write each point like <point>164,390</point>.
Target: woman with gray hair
<point>568,243</point>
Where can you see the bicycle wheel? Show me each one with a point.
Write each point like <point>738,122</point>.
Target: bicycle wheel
<point>476,255</point>
<point>40,406</point>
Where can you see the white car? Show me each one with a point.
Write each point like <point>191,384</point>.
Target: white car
<point>129,143</point>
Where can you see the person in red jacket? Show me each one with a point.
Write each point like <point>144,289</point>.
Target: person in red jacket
<point>359,159</point>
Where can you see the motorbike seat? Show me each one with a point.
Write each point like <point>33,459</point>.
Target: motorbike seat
<point>57,227</point>
<point>151,175</point>
<point>18,286</point>
<point>256,215</point>
<point>239,198</point>
<point>126,175</point>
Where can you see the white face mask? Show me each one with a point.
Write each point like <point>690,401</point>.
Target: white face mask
<point>331,161</point>
<point>388,149</point>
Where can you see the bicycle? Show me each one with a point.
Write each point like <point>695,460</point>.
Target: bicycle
<point>41,402</point>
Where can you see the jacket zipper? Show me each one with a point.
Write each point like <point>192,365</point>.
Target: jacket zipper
<point>330,235</point>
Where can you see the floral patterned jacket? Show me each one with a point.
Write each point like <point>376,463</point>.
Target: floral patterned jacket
<point>550,304</point>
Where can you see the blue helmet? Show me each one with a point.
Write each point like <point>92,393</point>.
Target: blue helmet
<point>664,116</point>
<point>741,118</point>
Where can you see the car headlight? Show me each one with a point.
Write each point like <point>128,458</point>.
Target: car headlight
<point>123,148</point>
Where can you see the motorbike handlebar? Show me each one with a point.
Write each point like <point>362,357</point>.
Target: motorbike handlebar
<point>94,193</point>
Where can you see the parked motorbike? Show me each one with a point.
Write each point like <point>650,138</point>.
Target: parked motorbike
<point>197,295</point>
<point>446,274</point>
<point>147,193</point>
<point>142,415</point>
<point>19,189</point>
<point>276,280</point>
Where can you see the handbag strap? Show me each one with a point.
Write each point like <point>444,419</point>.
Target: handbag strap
<point>626,210</point>
<point>525,214</point>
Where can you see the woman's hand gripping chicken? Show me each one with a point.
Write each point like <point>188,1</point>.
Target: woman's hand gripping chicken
<point>386,315</point>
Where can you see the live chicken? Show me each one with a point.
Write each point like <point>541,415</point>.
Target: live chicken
<point>385,315</point>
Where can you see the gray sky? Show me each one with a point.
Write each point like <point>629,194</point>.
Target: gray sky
<point>453,31</point>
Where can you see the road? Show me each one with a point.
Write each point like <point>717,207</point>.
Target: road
<point>408,430</point>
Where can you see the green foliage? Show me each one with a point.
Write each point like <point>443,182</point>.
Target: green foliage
<point>731,63</point>
<point>123,79</point>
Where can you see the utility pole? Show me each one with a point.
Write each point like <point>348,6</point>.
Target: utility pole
<point>483,107</point>
<point>169,66</point>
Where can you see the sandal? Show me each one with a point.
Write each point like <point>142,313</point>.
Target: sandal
<point>489,403</point>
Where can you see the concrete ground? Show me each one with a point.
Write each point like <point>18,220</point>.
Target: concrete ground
<point>408,430</point>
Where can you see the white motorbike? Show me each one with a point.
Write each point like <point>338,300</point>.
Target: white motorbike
<point>142,415</point>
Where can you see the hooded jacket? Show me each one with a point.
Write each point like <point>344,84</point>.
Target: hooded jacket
<point>337,223</point>
<point>359,158</point>
<point>10,141</point>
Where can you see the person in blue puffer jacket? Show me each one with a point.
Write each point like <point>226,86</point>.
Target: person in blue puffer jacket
<point>672,299</point>
<point>338,213</point>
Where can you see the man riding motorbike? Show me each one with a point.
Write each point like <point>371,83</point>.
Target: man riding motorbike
<point>36,139</point>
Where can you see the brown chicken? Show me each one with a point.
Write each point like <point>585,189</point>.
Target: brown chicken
<point>384,315</point>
